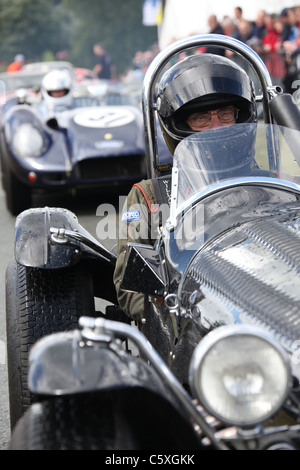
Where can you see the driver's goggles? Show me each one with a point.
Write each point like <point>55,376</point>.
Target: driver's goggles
<point>225,115</point>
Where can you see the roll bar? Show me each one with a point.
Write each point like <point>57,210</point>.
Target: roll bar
<point>156,66</point>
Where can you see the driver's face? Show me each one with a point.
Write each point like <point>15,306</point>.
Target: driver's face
<point>57,93</point>
<point>221,117</point>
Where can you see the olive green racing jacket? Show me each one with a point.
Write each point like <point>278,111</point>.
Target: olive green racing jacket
<point>140,222</point>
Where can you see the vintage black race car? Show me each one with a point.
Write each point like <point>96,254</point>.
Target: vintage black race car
<point>213,362</point>
<point>98,143</point>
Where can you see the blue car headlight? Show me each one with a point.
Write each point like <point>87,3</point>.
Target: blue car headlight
<point>240,374</point>
<point>28,141</point>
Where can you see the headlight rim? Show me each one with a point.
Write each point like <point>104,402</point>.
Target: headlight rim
<point>211,339</point>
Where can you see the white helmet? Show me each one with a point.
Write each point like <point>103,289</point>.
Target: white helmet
<point>57,88</point>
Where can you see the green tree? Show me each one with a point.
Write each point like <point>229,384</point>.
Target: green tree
<point>117,24</point>
<point>31,27</point>
<point>39,28</point>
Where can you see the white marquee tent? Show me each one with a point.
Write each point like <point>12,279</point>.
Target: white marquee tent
<point>183,18</point>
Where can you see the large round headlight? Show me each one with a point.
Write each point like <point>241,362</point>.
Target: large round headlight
<point>240,374</point>
<point>28,141</point>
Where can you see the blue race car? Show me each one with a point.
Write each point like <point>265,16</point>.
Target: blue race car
<point>91,137</point>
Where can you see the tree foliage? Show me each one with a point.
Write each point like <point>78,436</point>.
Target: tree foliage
<point>34,27</point>
<point>117,24</point>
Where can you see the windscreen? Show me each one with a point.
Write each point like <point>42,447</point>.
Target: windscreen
<point>228,153</point>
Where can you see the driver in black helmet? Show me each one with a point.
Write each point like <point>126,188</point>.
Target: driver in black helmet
<point>200,84</point>
<point>201,92</point>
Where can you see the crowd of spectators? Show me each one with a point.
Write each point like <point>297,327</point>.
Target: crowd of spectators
<point>274,36</point>
<point>268,32</point>
<point>139,65</point>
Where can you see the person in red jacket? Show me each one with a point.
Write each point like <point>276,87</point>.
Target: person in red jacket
<point>17,64</point>
<point>271,43</point>
<point>272,36</point>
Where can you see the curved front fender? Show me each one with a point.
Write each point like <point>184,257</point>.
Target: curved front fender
<point>64,363</point>
<point>33,245</point>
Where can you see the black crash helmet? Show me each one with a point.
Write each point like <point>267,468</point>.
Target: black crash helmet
<point>199,83</point>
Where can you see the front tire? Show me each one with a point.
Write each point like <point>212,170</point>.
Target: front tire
<point>39,302</point>
<point>112,419</point>
<point>79,422</point>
